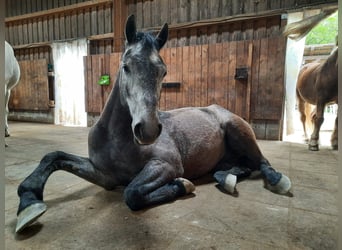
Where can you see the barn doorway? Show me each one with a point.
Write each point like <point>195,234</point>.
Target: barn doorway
<point>69,82</point>
<point>298,54</point>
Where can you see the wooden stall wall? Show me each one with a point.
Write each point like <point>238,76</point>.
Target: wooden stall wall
<point>207,75</point>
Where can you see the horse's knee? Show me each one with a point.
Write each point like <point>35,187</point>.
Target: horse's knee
<point>133,198</point>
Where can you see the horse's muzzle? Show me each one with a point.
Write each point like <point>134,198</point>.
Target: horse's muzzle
<point>145,134</point>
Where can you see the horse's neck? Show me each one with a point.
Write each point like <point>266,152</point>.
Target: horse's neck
<point>115,116</point>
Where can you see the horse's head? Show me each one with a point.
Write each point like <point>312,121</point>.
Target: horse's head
<point>142,71</point>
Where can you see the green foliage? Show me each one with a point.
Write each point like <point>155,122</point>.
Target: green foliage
<point>325,32</point>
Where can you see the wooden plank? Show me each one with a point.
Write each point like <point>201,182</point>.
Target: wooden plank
<point>191,77</point>
<point>240,86</point>
<point>231,80</point>
<point>225,74</point>
<point>96,95</point>
<point>163,90</point>
<point>40,30</point>
<point>185,76</point>
<point>204,75</point>
<point>106,89</point>
<point>172,77</point>
<point>166,92</point>
<point>45,30</point>
<point>87,82</point>
<point>20,33</point>
<point>198,76</point>
<point>147,14</point>
<point>249,81</point>
<point>94,27</point>
<point>263,72</point>
<point>179,76</point>
<point>211,75</point>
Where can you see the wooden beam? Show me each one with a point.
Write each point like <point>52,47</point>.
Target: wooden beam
<point>120,12</point>
<point>101,36</point>
<point>64,9</point>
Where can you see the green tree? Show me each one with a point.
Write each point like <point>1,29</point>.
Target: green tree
<point>325,32</point>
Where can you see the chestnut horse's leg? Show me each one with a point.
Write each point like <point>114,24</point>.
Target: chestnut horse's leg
<point>318,120</point>
<point>334,136</point>
<point>30,191</point>
<point>157,183</point>
<point>241,142</point>
<point>301,108</point>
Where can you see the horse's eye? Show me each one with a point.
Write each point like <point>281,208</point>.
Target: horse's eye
<point>125,68</point>
<point>165,73</point>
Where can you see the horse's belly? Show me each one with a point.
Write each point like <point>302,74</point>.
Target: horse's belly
<point>203,155</point>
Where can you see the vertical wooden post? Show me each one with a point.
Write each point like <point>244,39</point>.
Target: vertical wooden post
<point>120,12</point>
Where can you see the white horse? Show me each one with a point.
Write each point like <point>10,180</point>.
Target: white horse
<point>12,75</point>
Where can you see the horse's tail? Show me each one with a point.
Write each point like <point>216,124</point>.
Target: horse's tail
<point>310,112</point>
<point>298,30</point>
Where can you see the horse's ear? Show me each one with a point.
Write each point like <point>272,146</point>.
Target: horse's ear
<point>131,29</point>
<point>162,36</point>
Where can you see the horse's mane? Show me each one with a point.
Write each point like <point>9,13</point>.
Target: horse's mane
<point>332,59</point>
<point>298,30</point>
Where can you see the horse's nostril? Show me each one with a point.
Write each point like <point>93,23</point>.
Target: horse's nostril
<point>138,131</point>
<point>146,134</point>
<point>160,127</point>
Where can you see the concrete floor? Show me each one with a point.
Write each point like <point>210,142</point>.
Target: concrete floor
<point>81,215</point>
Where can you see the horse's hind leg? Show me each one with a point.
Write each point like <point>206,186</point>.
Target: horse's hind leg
<point>157,183</point>
<point>301,109</point>
<point>30,191</point>
<point>241,142</point>
<point>7,96</point>
<point>334,136</point>
<point>318,120</point>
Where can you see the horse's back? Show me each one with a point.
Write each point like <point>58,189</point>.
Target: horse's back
<point>316,81</point>
<point>199,134</point>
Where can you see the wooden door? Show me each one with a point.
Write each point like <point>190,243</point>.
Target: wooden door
<point>32,91</point>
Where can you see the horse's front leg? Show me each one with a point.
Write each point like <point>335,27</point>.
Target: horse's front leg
<point>7,96</point>
<point>157,183</point>
<point>334,136</point>
<point>30,191</point>
<point>318,120</point>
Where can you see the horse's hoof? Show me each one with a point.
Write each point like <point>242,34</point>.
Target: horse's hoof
<point>313,147</point>
<point>230,183</point>
<point>227,181</point>
<point>188,185</point>
<point>282,187</point>
<point>334,147</point>
<point>7,134</point>
<point>29,215</point>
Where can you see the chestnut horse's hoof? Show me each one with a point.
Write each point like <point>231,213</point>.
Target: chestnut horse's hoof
<point>29,215</point>
<point>334,147</point>
<point>313,147</point>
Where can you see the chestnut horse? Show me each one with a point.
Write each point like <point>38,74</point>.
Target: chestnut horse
<point>153,153</point>
<point>317,82</point>
<point>317,85</point>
